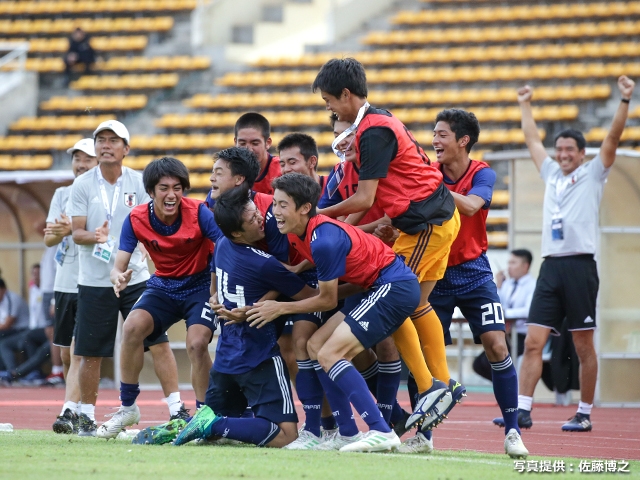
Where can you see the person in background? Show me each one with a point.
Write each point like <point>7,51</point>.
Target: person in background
<point>80,51</point>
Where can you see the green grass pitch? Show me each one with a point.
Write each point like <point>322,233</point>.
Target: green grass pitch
<point>29,454</point>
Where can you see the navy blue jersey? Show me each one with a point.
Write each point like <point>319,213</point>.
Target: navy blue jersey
<point>180,286</point>
<point>244,275</point>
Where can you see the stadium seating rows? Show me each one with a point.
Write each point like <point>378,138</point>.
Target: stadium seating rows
<point>215,141</point>
<point>281,78</point>
<point>101,44</point>
<point>25,162</point>
<point>496,53</point>
<point>122,64</point>
<point>238,101</point>
<point>72,123</point>
<point>126,82</point>
<point>100,103</point>
<point>64,26</point>
<point>79,7</point>
<point>320,118</point>
<point>504,34</point>
<point>597,134</point>
<point>560,10</point>
<point>635,113</point>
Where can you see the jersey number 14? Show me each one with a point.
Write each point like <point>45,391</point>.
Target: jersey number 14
<point>225,294</point>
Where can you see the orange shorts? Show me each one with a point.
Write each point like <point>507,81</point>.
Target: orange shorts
<point>427,252</point>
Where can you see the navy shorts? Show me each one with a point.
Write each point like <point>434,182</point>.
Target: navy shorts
<point>481,307</point>
<point>166,311</point>
<point>266,389</point>
<point>381,310</point>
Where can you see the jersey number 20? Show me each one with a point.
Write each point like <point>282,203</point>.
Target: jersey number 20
<point>492,313</point>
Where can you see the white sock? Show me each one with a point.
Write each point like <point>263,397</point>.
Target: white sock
<point>174,403</point>
<point>89,410</point>
<point>524,402</point>
<point>73,406</point>
<point>57,369</point>
<point>585,408</point>
<point>78,408</point>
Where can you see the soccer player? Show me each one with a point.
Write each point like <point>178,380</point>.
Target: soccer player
<point>99,202</point>
<point>468,281</point>
<point>298,153</point>
<point>178,233</point>
<point>568,282</point>
<point>253,131</point>
<point>58,233</point>
<point>394,169</point>
<point>343,252</point>
<point>248,369</point>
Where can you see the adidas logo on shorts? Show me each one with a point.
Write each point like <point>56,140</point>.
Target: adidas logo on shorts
<point>364,325</point>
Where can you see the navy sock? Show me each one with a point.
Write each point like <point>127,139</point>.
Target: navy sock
<point>397,414</point>
<point>248,430</point>
<point>412,388</point>
<point>353,385</point>
<point>198,404</point>
<point>248,413</point>
<point>370,376</point>
<point>310,394</point>
<point>388,383</point>
<point>505,389</point>
<point>328,423</point>
<point>339,403</point>
<point>128,393</point>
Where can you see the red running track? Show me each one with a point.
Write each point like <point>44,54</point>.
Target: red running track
<point>616,434</point>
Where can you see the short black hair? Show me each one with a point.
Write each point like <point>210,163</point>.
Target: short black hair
<point>333,118</point>
<point>165,167</point>
<point>340,73</point>
<point>229,208</point>
<point>253,120</point>
<point>242,161</point>
<point>3,286</point>
<point>524,254</point>
<point>572,133</point>
<point>306,144</point>
<point>301,188</point>
<point>461,123</point>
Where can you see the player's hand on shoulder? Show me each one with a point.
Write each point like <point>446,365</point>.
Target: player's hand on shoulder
<point>525,94</point>
<point>262,313</point>
<point>626,86</point>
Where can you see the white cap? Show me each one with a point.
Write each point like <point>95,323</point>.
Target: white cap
<point>116,127</point>
<point>85,145</point>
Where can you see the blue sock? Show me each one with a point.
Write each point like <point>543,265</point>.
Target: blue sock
<point>388,383</point>
<point>128,393</point>
<point>248,430</point>
<point>370,375</point>
<point>310,394</point>
<point>353,385</point>
<point>397,413</point>
<point>505,389</point>
<point>412,388</point>
<point>328,423</point>
<point>339,403</point>
<point>198,404</point>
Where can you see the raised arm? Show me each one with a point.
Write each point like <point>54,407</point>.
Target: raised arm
<point>529,127</point>
<point>611,141</point>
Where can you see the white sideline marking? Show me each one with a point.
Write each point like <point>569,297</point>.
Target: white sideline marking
<point>449,459</point>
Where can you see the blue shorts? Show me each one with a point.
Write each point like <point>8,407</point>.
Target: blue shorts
<point>266,389</point>
<point>381,310</point>
<point>166,311</point>
<point>481,307</point>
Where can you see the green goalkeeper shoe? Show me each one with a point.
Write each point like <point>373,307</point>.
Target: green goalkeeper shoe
<point>161,434</point>
<point>198,426</point>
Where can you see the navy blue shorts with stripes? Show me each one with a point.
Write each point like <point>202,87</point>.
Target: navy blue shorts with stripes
<point>266,389</point>
<point>378,312</point>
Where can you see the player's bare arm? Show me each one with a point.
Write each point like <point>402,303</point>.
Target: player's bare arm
<point>358,202</point>
<point>80,234</point>
<point>529,127</point>
<point>239,314</point>
<point>56,231</point>
<point>355,218</point>
<point>611,141</point>
<point>468,205</point>
<point>120,275</point>
<point>307,300</point>
<point>373,226</point>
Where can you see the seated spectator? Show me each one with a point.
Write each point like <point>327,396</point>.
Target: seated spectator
<point>14,316</point>
<point>34,341</point>
<point>80,51</point>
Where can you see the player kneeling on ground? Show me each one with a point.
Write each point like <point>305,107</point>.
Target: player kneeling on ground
<point>248,369</point>
<point>178,234</point>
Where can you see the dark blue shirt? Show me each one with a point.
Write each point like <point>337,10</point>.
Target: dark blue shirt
<point>182,287</point>
<point>244,275</point>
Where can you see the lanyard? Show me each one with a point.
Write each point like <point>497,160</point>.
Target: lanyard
<point>348,131</point>
<point>103,192</point>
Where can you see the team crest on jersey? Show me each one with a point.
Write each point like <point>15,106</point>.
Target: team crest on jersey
<point>130,199</point>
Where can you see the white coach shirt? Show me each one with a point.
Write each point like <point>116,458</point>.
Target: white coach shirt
<point>85,200</point>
